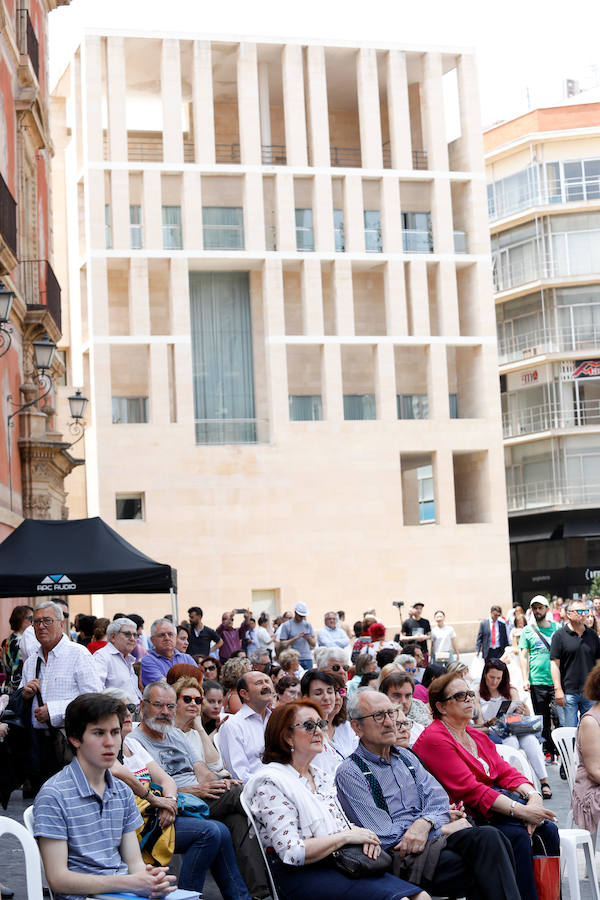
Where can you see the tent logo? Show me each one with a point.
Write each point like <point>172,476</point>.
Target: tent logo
<point>56,584</point>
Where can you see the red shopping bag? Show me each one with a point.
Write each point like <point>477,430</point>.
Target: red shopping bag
<point>546,871</point>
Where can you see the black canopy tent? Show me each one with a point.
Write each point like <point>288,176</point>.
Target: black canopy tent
<point>43,559</point>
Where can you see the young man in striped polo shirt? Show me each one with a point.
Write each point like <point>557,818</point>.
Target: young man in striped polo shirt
<point>86,820</point>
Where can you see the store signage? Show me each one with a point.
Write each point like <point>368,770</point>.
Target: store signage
<point>589,368</point>
<point>529,377</point>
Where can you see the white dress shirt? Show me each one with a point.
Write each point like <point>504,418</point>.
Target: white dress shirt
<point>332,637</point>
<point>242,742</point>
<point>28,643</point>
<point>68,672</point>
<point>116,670</point>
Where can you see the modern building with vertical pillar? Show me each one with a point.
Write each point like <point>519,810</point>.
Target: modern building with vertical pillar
<point>280,307</point>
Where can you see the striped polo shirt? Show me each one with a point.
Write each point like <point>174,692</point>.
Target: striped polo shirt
<point>68,809</point>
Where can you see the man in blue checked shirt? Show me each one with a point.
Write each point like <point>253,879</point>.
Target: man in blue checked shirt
<point>384,787</point>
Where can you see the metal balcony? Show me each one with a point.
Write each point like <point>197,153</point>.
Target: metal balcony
<point>227,153</point>
<point>8,218</point>
<point>39,286</point>
<point>27,41</point>
<point>273,155</point>
<point>538,494</point>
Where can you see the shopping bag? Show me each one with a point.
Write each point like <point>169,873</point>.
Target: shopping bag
<point>546,871</point>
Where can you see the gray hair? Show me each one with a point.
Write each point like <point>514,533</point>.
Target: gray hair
<point>256,655</point>
<point>354,706</point>
<point>157,684</point>
<point>332,613</point>
<point>403,658</point>
<point>120,694</point>
<point>158,622</point>
<point>117,624</point>
<point>50,604</point>
<point>324,654</point>
<point>361,662</point>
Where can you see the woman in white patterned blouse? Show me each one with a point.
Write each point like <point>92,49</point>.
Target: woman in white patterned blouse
<point>300,821</point>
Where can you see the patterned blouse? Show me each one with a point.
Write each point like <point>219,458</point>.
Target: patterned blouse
<point>278,821</point>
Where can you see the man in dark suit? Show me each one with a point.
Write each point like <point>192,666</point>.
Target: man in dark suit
<point>492,637</point>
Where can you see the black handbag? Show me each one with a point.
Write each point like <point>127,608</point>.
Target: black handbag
<point>353,863</point>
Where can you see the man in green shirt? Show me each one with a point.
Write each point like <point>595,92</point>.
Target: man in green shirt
<point>534,652</point>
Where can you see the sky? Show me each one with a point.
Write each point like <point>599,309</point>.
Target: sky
<point>525,48</point>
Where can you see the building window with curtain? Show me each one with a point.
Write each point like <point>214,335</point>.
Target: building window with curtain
<point>171,228</point>
<point>222,359</point>
<point>412,406</point>
<point>135,227</point>
<point>129,410</point>
<point>372,220</point>
<point>305,236</point>
<point>359,406</point>
<point>305,407</point>
<point>223,227</point>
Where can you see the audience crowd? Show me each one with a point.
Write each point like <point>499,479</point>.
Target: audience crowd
<point>335,743</point>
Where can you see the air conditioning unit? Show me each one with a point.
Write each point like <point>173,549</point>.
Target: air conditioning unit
<point>531,351</point>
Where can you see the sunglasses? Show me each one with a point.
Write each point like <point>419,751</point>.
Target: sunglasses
<point>409,670</point>
<point>580,612</point>
<point>187,699</point>
<point>131,707</point>
<point>461,696</point>
<point>311,726</point>
<point>336,667</point>
<point>208,667</point>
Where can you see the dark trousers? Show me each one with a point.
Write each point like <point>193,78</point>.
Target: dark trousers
<point>228,810</point>
<point>520,841</point>
<point>322,881</point>
<point>542,700</point>
<point>476,863</point>
<point>42,758</point>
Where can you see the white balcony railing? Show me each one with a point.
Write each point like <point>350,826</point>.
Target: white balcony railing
<point>567,190</point>
<point>547,493</point>
<point>549,340</point>
<point>550,416</point>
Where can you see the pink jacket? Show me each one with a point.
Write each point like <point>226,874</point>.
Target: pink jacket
<point>460,773</point>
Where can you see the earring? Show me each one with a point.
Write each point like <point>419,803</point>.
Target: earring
<point>291,749</point>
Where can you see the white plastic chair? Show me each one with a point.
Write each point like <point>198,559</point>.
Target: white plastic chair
<point>28,820</point>
<point>246,808</point>
<point>33,868</point>
<point>518,760</point>
<point>564,741</point>
<point>570,840</point>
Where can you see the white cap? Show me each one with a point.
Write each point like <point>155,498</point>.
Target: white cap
<point>301,609</point>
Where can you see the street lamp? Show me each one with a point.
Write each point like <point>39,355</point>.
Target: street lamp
<point>43,354</point>
<point>77,405</point>
<point>6,302</point>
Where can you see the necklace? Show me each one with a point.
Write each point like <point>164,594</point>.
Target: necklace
<point>468,743</point>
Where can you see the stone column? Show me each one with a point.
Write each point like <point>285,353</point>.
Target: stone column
<point>275,353</point>
<point>391,220</point>
<point>318,119</point>
<point>264,98</point>
<point>139,296</point>
<point>98,297</point>
<point>343,297</point>
<point>254,213</point>
<point>116,92</point>
<point>92,98</point>
<point>293,105</point>
<point>354,225</point>
<point>419,297</point>
<point>368,108</point>
<point>96,200</point>
<point>284,211</point>
<point>442,222</point>
<point>333,402</point>
<point>437,382</point>
<point>385,383</point>
<point>191,213</point>
<point>323,213</point>
<point>432,112</point>
<point>447,298</point>
<point>170,82</point>
<point>159,385</point>
<point>470,113</point>
<point>203,103</point>
<point>152,210</point>
<point>396,314</point>
<point>119,190</point>
<point>445,505</point>
<point>248,108</point>
<point>398,110</point>
<point>179,296</point>
<point>312,297</point>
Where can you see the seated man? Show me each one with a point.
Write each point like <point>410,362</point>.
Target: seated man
<point>86,820</point>
<point>399,687</point>
<point>158,736</point>
<point>388,790</point>
<point>242,736</point>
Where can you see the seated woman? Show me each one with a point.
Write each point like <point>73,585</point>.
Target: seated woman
<point>468,765</point>
<point>320,688</point>
<point>586,793</point>
<point>212,706</point>
<point>363,665</point>
<point>333,660</point>
<point>300,821</point>
<point>208,841</point>
<point>188,719</point>
<point>211,667</point>
<point>287,689</point>
<point>495,687</point>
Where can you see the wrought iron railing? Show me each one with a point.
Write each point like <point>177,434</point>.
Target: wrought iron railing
<point>39,286</point>
<point>345,156</point>
<point>8,216</point>
<point>27,41</point>
<point>273,155</point>
<point>227,153</point>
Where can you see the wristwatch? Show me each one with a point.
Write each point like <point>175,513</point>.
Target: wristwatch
<point>428,819</point>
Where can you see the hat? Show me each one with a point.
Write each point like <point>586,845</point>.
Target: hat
<point>301,609</point>
<point>418,603</point>
<point>539,599</point>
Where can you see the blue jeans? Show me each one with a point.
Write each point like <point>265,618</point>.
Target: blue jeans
<point>306,663</point>
<point>206,844</point>
<point>574,703</point>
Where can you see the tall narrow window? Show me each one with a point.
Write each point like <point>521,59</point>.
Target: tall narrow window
<point>107,227</point>
<point>338,230</point>
<point>426,496</point>
<point>135,227</point>
<point>222,362</point>
<point>305,238</point>
<point>372,218</point>
<point>129,410</point>
<point>417,236</point>
<point>171,227</point>
<point>223,227</point>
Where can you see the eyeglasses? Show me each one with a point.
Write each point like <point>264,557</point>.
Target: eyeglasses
<point>461,696</point>
<point>409,670</point>
<point>379,716</point>
<point>158,705</point>
<point>310,725</point>
<point>46,623</point>
<point>65,615</point>
<point>336,667</point>
<point>187,699</point>
<point>405,725</point>
<point>580,612</point>
<point>131,707</point>
<point>164,634</point>
<point>128,634</point>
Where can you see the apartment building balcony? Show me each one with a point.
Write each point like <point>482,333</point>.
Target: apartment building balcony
<point>548,340</point>
<point>550,416</point>
<point>149,148</point>
<point>553,193</point>
<point>539,494</point>
<point>8,228</point>
<point>415,240</point>
<point>273,154</point>
<point>28,45</point>
<point>39,287</point>
<point>350,157</point>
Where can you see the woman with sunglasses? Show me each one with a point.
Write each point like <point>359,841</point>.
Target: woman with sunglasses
<point>299,819</point>
<point>495,687</point>
<point>188,719</point>
<point>333,660</point>
<point>467,764</point>
<point>211,667</point>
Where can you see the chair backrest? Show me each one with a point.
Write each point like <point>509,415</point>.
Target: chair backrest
<point>564,741</point>
<point>33,868</point>
<point>28,819</point>
<point>217,741</point>
<point>246,808</point>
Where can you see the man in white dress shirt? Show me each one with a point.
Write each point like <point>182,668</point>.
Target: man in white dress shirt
<point>242,736</point>
<point>58,672</point>
<point>114,662</point>
<point>331,635</point>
